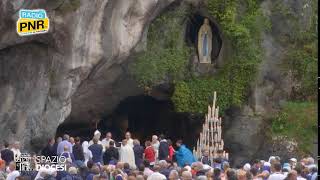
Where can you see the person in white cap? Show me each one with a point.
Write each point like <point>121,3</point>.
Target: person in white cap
<point>293,162</point>
<point>188,168</point>
<point>272,160</point>
<point>97,135</point>
<point>247,167</point>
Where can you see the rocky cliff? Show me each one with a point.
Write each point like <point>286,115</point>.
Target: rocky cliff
<point>79,70</point>
<point>81,56</point>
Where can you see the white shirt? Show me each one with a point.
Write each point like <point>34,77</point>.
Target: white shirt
<point>127,155</point>
<point>130,142</point>
<point>147,172</point>
<point>105,143</point>
<point>86,152</point>
<point>156,148</point>
<point>276,176</point>
<point>157,176</point>
<point>13,175</point>
<point>91,142</point>
<point>16,153</point>
<point>301,178</point>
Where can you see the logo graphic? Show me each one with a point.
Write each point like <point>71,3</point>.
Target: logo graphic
<point>27,162</point>
<point>32,22</point>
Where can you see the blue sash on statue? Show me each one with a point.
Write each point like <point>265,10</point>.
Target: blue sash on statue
<point>205,45</point>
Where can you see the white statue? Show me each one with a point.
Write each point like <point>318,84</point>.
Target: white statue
<point>205,42</point>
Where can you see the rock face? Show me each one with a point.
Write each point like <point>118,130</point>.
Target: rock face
<point>43,77</point>
<point>78,70</point>
<point>246,128</point>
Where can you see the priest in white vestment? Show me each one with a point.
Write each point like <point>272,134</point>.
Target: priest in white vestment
<point>127,154</point>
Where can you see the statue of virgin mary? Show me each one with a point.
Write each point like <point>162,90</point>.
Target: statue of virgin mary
<point>205,42</point>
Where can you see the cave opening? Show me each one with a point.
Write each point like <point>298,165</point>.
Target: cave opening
<point>143,116</point>
<point>195,21</point>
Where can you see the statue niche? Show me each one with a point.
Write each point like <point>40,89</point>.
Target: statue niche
<point>205,42</point>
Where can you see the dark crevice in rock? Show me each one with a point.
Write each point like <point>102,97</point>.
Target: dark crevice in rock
<point>143,116</point>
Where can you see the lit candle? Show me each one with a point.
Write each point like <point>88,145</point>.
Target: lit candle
<point>217,113</point>
<point>214,100</point>
<point>219,133</point>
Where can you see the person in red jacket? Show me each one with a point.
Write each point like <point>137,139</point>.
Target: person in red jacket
<point>171,149</point>
<point>149,153</point>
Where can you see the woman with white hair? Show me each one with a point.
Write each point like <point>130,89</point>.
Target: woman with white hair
<point>16,150</point>
<point>86,152</point>
<point>174,175</point>
<point>155,144</point>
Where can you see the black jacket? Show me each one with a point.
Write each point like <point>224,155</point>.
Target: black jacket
<point>77,151</point>
<point>163,150</point>
<point>111,153</point>
<point>49,150</point>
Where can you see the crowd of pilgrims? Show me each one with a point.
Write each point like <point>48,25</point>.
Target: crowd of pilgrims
<point>105,159</point>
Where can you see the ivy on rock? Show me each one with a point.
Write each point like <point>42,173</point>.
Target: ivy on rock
<point>167,56</point>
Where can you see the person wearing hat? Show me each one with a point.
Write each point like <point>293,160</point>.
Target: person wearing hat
<point>96,135</point>
<point>266,167</point>
<point>247,167</point>
<point>293,162</point>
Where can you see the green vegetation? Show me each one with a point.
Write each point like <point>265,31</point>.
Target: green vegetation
<point>69,5</point>
<point>233,80</point>
<point>297,120</point>
<point>302,55</point>
<point>242,24</point>
<point>166,57</point>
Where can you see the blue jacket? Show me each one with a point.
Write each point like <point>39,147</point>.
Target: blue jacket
<point>184,156</point>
